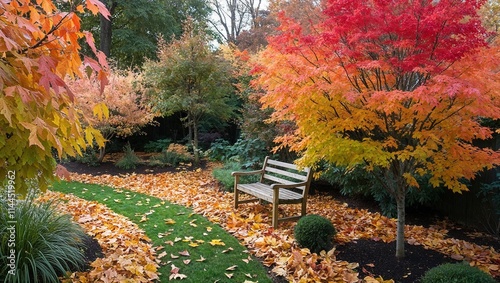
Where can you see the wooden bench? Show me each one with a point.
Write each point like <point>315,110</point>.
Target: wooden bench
<point>280,183</point>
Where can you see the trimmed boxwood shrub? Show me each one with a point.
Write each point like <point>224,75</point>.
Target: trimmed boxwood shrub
<point>315,233</point>
<point>456,273</point>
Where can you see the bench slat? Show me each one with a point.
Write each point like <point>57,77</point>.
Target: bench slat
<point>292,175</point>
<point>265,192</point>
<point>282,164</point>
<point>278,180</point>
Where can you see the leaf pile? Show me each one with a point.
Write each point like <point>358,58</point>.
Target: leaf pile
<point>128,254</point>
<point>250,223</point>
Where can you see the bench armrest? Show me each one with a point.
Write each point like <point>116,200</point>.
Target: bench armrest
<point>244,173</point>
<point>287,186</point>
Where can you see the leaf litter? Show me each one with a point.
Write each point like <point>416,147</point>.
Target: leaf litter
<point>277,248</point>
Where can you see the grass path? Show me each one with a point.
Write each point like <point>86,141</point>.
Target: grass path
<point>201,250</point>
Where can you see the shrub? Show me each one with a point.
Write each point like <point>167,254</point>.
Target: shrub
<point>90,156</point>
<point>357,181</point>
<point>315,233</point>
<point>490,195</point>
<point>223,175</point>
<point>248,152</point>
<point>129,159</point>
<point>47,244</point>
<point>456,273</point>
<point>173,156</point>
<point>157,146</point>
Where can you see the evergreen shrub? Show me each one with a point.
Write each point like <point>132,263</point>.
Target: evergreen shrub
<point>315,233</point>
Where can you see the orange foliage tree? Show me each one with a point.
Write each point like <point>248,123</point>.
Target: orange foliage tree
<point>125,99</point>
<point>398,87</point>
<point>40,46</point>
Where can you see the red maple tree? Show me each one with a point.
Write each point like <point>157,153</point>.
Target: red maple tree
<point>398,87</point>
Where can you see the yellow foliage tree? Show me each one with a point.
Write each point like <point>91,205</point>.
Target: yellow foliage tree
<point>40,46</point>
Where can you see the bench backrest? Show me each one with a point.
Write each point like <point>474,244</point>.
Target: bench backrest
<point>286,173</point>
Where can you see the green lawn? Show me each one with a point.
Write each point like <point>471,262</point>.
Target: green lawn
<point>213,253</point>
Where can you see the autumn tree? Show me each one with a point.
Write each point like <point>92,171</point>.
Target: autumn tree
<point>40,46</point>
<point>190,78</point>
<point>398,87</point>
<point>124,96</point>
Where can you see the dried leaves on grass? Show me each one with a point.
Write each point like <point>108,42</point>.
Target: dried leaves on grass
<point>128,254</point>
<point>276,248</point>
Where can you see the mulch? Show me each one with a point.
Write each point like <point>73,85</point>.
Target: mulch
<point>375,258</point>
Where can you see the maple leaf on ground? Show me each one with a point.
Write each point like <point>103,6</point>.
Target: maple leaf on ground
<point>174,273</point>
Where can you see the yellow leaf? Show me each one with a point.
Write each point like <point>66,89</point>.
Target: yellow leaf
<point>169,221</point>
<point>101,111</point>
<point>217,242</point>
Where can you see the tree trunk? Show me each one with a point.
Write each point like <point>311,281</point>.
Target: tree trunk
<point>195,143</point>
<point>400,235</point>
<point>106,29</point>
<point>105,36</point>
<point>102,153</point>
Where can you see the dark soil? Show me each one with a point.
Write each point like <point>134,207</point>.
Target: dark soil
<point>91,251</point>
<point>374,258</point>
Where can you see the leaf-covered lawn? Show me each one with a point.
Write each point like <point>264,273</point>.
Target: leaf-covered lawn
<point>251,225</point>
<point>127,250</point>
<point>185,245</point>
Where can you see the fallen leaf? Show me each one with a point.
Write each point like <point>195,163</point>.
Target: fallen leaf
<point>217,242</point>
<point>169,221</point>
<point>184,253</point>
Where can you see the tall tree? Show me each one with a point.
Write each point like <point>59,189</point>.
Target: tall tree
<point>399,87</point>
<point>189,77</point>
<point>125,99</point>
<point>40,46</point>
<point>232,17</point>
<point>130,34</point>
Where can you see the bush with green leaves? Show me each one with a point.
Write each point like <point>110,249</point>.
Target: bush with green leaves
<point>248,152</point>
<point>157,145</point>
<point>90,156</point>
<point>489,193</point>
<point>456,273</point>
<point>357,181</point>
<point>315,232</point>
<point>172,156</point>
<point>129,160</point>
<point>223,175</point>
<point>47,244</point>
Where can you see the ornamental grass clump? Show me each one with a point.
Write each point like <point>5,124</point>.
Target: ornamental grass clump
<point>456,273</point>
<point>315,233</point>
<point>46,244</point>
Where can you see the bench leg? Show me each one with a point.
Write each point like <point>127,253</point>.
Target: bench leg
<point>303,208</point>
<point>236,195</point>
<point>275,215</point>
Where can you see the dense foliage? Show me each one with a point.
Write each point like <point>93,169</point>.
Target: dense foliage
<point>401,100</point>
<point>190,78</point>
<point>315,233</point>
<point>41,46</point>
<point>47,244</point>
<point>456,273</point>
